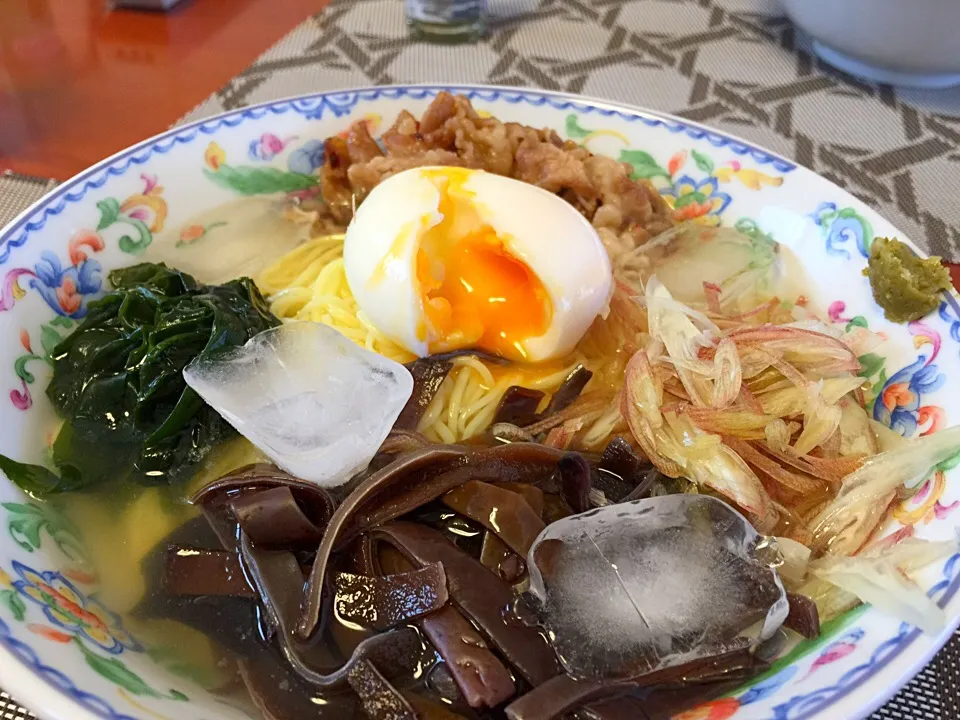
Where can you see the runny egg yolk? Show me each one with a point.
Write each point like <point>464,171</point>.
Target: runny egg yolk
<point>474,292</point>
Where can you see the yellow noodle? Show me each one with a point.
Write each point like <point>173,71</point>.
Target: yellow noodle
<point>484,411</point>
<point>453,405</point>
<point>482,370</point>
<point>442,433</point>
<point>436,407</point>
<point>475,391</point>
<point>290,304</point>
<point>309,283</point>
<point>289,270</point>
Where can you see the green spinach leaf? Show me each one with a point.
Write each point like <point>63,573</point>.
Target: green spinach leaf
<point>118,379</point>
<point>37,480</point>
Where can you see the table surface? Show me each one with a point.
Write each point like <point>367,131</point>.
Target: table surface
<point>79,81</point>
<point>734,64</point>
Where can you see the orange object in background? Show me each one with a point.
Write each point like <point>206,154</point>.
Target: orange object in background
<point>79,81</point>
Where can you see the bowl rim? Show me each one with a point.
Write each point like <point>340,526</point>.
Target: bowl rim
<point>606,107</point>
<point>63,704</point>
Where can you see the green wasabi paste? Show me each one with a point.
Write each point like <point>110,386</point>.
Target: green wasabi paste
<point>907,287</point>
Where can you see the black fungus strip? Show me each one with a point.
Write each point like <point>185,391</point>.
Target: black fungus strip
<point>643,487</point>
<point>479,594</point>
<point>568,391</point>
<point>381,603</point>
<point>428,375</point>
<point>733,665</point>
<point>440,682</point>
<point>512,568</point>
<point>473,352</point>
<point>481,677</point>
<point>658,703</point>
<point>532,494</point>
<point>559,695</point>
<point>527,463</point>
<point>518,406</point>
<point>493,552</point>
<point>554,508</point>
<point>430,709</point>
<point>230,620</point>
<point>613,488</point>
<point>338,529</point>
<point>273,519</point>
<point>279,582</point>
<point>619,459</point>
<point>507,433</point>
<point>563,693</point>
<point>575,481</point>
<point>190,572</point>
<point>619,707</point>
<point>408,483</point>
<point>620,462</point>
<point>506,513</point>
<point>217,499</point>
<point>803,616</point>
<point>380,699</point>
<point>403,441</point>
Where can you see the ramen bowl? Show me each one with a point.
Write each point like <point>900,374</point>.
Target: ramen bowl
<point>66,653</point>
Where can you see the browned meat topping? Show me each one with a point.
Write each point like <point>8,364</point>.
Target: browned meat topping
<point>625,212</point>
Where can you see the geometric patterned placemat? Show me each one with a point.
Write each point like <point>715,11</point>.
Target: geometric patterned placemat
<point>17,193</point>
<point>11,710</point>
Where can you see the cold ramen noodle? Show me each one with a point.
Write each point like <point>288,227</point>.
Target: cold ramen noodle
<point>501,440</point>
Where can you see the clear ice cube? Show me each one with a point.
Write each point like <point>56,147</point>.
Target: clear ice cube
<point>629,589</point>
<point>316,403</point>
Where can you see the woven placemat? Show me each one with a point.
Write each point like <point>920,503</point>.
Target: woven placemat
<point>17,193</point>
<point>10,709</point>
<point>735,64</point>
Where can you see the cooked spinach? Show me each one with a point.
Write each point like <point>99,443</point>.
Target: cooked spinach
<point>37,480</point>
<point>118,379</point>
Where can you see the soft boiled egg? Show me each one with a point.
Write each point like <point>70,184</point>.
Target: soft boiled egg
<point>448,258</point>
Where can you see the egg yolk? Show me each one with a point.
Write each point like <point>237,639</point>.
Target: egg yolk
<point>475,293</point>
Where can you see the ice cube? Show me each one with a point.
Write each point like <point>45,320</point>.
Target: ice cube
<point>748,268</point>
<point>316,403</point>
<point>629,589</point>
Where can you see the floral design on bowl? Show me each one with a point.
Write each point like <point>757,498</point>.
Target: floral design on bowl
<point>70,610</point>
<point>700,201</point>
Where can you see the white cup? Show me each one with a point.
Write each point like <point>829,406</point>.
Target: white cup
<point>912,43</point>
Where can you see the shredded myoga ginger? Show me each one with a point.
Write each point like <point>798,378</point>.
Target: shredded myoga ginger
<point>768,413</point>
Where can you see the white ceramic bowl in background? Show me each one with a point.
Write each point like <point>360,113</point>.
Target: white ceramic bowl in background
<point>911,43</point>
<point>67,657</point>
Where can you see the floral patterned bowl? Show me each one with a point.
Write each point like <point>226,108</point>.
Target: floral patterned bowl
<point>66,655</point>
